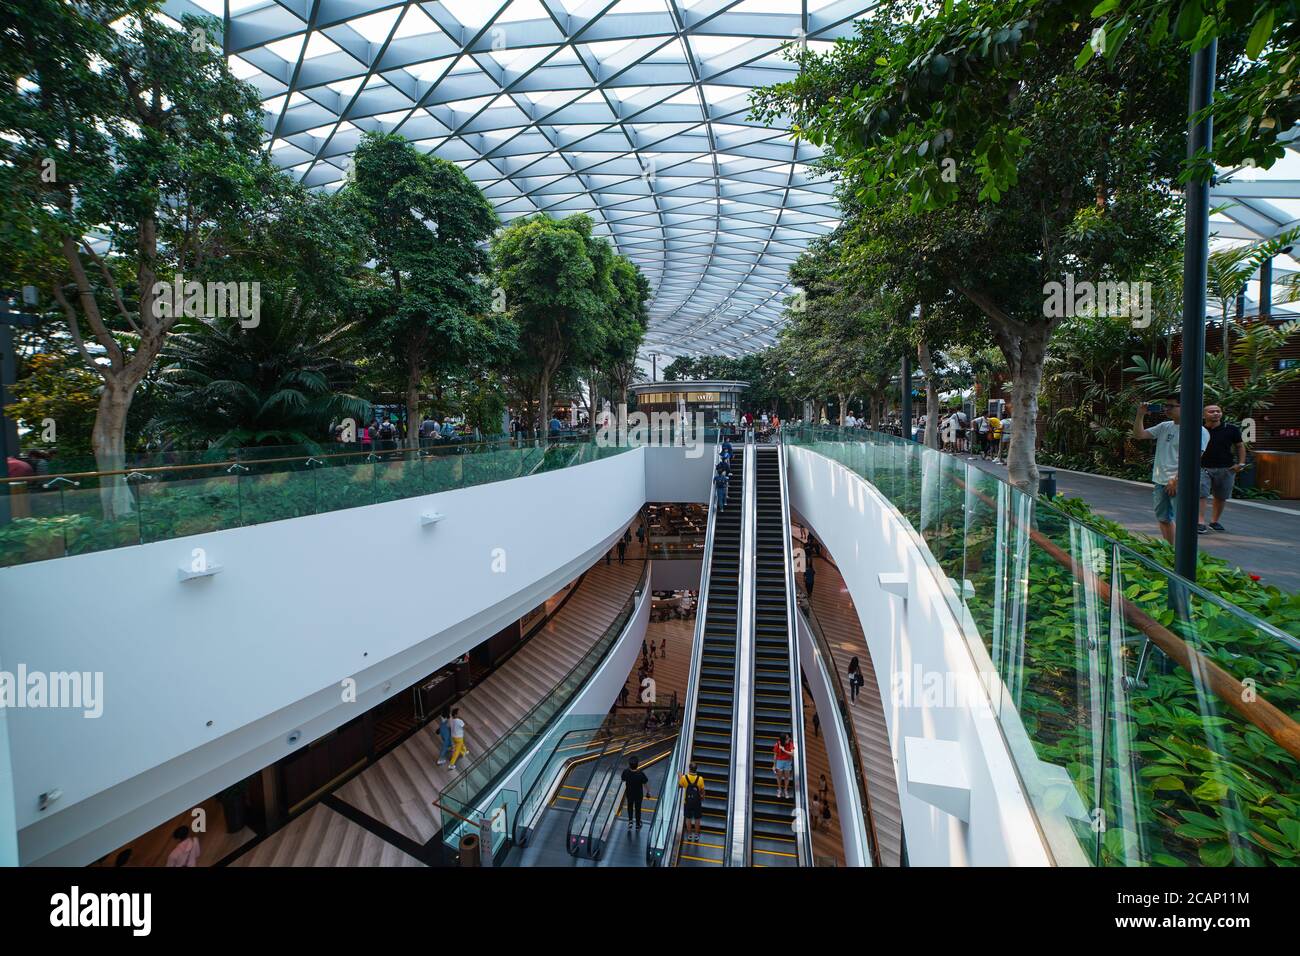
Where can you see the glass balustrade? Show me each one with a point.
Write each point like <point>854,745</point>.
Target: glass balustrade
<point>1151,721</point>
<point>54,516</point>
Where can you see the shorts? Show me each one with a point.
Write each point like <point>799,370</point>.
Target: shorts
<point>1217,481</point>
<point>695,814</point>
<point>1163,502</point>
<point>784,766</point>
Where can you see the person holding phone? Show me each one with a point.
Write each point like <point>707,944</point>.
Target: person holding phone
<point>1164,467</point>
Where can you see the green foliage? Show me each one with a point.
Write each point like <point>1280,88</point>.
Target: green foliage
<point>426,226</point>
<point>55,387</point>
<point>281,383</point>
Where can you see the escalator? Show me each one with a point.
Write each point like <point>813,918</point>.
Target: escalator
<point>589,834</point>
<point>775,822</point>
<point>711,733</point>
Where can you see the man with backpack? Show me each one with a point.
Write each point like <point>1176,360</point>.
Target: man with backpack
<point>636,789</point>
<point>693,785</point>
<point>720,484</point>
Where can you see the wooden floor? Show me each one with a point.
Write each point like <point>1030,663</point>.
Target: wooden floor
<point>321,837</point>
<point>839,620</point>
<point>398,790</point>
<point>671,672</point>
<point>827,842</point>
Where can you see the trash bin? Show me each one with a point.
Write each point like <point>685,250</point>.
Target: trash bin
<point>1047,483</point>
<point>469,850</point>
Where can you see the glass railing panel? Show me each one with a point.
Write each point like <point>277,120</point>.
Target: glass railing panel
<point>38,527</point>
<point>277,495</point>
<point>90,526</point>
<point>533,726</point>
<point>1193,779</point>
<point>1051,658</point>
<point>345,486</point>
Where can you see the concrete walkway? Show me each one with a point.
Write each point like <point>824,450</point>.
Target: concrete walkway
<point>1261,537</point>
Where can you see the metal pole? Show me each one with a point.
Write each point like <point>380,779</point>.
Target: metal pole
<point>907,395</point>
<point>1200,135</point>
<point>1266,289</point>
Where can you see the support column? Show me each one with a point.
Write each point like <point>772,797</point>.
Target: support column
<point>1200,135</point>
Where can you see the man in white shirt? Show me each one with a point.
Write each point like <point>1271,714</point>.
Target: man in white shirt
<point>1164,469</point>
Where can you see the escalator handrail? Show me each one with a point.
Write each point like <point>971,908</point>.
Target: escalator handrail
<point>739,823</point>
<point>602,817</point>
<point>803,836</point>
<point>686,740</point>
<point>859,797</point>
<point>549,781</point>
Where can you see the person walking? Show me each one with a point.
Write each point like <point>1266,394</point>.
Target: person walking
<point>186,851</point>
<point>635,789</point>
<point>783,764</point>
<point>809,576</point>
<point>1224,457</point>
<point>1164,467</point>
<point>458,748</point>
<point>817,724</point>
<point>622,551</point>
<point>622,696</point>
<point>980,427</point>
<point>856,680</point>
<point>444,737</point>
<point>720,485</point>
<point>692,799</point>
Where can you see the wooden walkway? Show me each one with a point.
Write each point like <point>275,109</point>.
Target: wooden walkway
<point>840,623</point>
<point>827,842</point>
<point>397,791</point>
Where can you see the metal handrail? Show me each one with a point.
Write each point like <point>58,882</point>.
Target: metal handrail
<point>830,674</point>
<point>739,823</point>
<point>803,837</point>
<point>236,460</point>
<point>616,627</point>
<point>686,739</point>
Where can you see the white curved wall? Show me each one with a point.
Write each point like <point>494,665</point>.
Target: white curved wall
<point>205,679</point>
<point>867,538</point>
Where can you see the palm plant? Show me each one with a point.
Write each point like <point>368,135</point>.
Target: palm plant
<point>282,382</point>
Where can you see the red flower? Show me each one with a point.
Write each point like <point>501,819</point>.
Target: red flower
<point>1254,577</point>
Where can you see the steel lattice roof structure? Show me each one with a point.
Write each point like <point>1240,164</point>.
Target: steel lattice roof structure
<point>633,111</point>
<point>1252,205</point>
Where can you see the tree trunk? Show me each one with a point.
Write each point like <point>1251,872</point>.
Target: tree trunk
<point>1026,365</point>
<point>843,405</point>
<point>413,410</point>
<point>931,397</point>
<point>108,438</point>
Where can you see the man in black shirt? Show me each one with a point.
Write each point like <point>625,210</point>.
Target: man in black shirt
<point>1223,457</point>
<point>635,783</point>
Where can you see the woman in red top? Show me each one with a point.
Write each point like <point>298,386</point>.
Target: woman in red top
<point>783,764</point>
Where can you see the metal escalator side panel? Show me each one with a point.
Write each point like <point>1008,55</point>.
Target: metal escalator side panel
<point>738,820</point>
<point>803,833</point>
<point>669,819</point>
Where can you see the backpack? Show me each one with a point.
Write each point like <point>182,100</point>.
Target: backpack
<point>694,792</point>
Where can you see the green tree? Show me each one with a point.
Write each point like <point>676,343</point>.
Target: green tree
<point>555,277</point>
<point>979,165</point>
<point>116,125</point>
<point>427,225</point>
